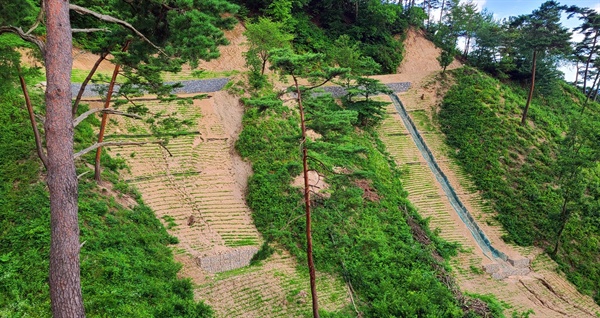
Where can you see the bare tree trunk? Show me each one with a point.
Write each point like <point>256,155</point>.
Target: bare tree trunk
<point>309,254</point>
<point>564,220</point>
<point>593,90</point>
<point>468,43</point>
<point>576,73</point>
<point>264,65</point>
<point>587,63</point>
<point>36,133</point>
<point>86,81</point>
<point>524,116</point>
<point>111,87</point>
<point>596,89</point>
<point>428,13</point>
<point>64,281</point>
<point>442,10</point>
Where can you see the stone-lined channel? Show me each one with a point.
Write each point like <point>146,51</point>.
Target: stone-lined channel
<point>479,236</point>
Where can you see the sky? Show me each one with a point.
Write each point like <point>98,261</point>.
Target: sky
<point>506,8</point>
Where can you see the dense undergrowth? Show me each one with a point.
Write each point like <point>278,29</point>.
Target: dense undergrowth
<point>127,270</point>
<point>359,223</point>
<point>542,178</point>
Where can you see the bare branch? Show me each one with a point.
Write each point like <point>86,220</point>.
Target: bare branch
<point>86,81</point>
<point>115,143</point>
<point>108,18</point>
<point>83,174</point>
<point>26,37</point>
<point>85,115</point>
<point>90,30</point>
<point>38,20</point>
<point>36,132</point>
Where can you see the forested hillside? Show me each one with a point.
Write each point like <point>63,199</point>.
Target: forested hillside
<point>127,268</point>
<point>323,188</point>
<point>542,178</point>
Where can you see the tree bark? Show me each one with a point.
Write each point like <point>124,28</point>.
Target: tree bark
<point>309,254</point>
<point>264,65</point>
<point>530,96</point>
<point>65,285</point>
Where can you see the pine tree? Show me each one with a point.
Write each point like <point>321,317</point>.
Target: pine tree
<point>309,66</point>
<point>541,33</point>
<point>167,45</point>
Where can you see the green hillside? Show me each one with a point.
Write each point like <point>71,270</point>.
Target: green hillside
<point>542,178</point>
<point>127,267</point>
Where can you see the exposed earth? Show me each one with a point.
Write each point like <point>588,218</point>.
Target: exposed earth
<point>198,193</point>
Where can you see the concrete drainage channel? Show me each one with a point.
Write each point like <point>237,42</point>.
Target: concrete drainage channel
<point>499,265</point>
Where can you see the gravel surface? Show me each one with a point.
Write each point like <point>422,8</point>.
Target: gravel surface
<point>217,84</point>
<point>399,87</point>
<point>189,87</point>
<point>338,91</point>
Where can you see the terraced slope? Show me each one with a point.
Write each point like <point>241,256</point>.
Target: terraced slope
<point>196,188</point>
<point>543,290</point>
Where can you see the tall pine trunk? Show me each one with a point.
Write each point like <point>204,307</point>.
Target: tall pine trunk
<point>109,94</point>
<point>309,253</point>
<point>65,284</point>
<point>530,96</point>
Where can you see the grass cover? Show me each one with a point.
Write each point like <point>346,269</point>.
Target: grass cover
<point>127,270</point>
<point>359,223</point>
<point>520,169</point>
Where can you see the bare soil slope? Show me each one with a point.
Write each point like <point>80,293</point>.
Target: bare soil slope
<point>197,189</point>
<point>199,195</point>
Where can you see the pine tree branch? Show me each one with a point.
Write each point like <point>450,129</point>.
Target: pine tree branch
<point>26,37</point>
<point>85,115</point>
<point>119,144</point>
<point>108,18</point>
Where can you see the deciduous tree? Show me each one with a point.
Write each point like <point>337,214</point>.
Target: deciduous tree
<point>264,36</point>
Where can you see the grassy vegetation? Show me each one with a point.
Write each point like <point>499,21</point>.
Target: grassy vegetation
<point>520,168</point>
<point>359,227</point>
<point>127,269</point>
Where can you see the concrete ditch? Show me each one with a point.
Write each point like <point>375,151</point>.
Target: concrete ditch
<point>498,265</point>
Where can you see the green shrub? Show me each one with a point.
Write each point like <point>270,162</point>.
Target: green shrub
<point>368,243</point>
